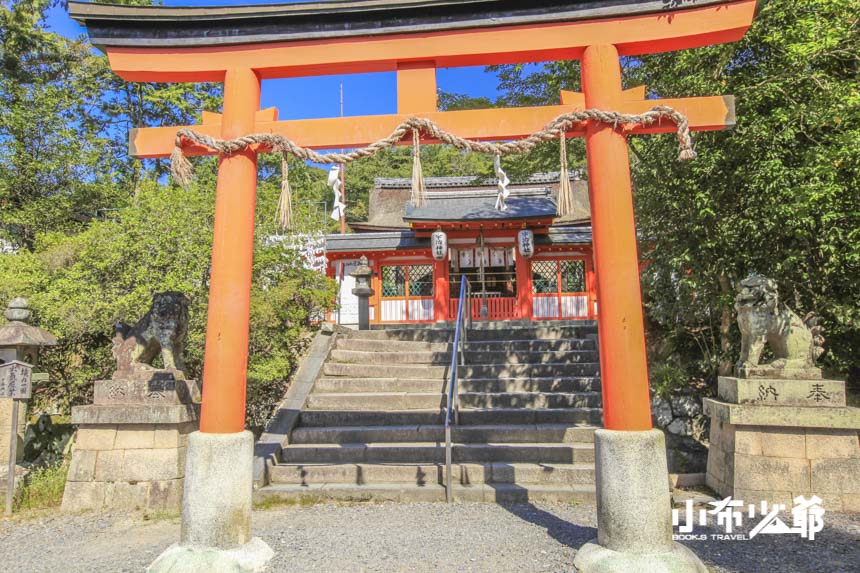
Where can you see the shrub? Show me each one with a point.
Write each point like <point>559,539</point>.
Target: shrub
<point>43,487</point>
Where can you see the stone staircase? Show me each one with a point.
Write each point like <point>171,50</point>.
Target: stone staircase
<point>373,426</point>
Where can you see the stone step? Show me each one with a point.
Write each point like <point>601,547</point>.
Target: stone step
<point>382,401</point>
<point>498,493</point>
<point>467,371</point>
<point>537,345</point>
<point>480,417</point>
<point>429,453</point>
<point>530,400</point>
<point>387,401</point>
<point>432,474</point>
<point>534,345</point>
<point>429,385</point>
<point>436,433</point>
<point>557,369</point>
<point>478,333</point>
<point>500,357</point>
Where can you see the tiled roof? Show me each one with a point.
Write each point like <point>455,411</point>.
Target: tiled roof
<point>382,241</point>
<point>480,205</point>
<point>393,240</point>
<point>471,181</point>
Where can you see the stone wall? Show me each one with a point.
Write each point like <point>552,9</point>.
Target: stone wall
<point>685,427</point>
<point>777,464</point>
<point>128,466</point>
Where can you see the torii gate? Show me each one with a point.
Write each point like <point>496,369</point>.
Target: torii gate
<point>240,46</point>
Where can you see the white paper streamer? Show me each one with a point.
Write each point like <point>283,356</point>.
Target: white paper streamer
<point>334,182</point>
<point>504,192</point>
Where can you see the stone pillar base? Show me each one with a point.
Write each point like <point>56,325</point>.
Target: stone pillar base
<point>594,558</point>
<point>249,558</point>
<point>634,514</point>
<point>216,510</point>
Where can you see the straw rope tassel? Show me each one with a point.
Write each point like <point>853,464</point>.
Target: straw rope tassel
<point>285,202</point>
<point>565,193</point>
<point>419,190</point>
<point>180,167</point>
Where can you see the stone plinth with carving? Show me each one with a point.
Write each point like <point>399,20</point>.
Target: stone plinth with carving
<point>130,447</point>
<point>780,430</point>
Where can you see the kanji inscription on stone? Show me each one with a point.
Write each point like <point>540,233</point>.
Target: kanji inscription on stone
<point>766,392</point>
<point>818,393</point>
<point>16,380</point>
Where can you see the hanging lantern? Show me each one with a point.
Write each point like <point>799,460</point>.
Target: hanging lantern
<point>439,245</point>
<point>526,243</point>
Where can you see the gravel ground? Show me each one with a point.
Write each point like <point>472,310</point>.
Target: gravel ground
<point>402,537</point>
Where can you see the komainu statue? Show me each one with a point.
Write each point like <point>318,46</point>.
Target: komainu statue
<point>796,344</point>
<point>162,331</point>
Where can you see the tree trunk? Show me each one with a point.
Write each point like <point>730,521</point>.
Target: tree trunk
<point>725,364</point>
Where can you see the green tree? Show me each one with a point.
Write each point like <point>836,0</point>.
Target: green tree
<point>53,171</point>
<point>777,195</point>
<point>80,285</point>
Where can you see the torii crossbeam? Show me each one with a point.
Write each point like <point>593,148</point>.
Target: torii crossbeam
<point>240,46</point>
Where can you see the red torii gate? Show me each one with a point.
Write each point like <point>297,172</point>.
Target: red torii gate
<point>148,44</point>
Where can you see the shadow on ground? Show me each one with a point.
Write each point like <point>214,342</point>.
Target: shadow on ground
<point>832,551</point>
<point>562,531</point>
<point>836,549</point>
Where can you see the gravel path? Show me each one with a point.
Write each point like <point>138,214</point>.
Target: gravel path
<point>402,537</point>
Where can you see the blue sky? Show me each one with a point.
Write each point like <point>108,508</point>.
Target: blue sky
<point>300,98</point>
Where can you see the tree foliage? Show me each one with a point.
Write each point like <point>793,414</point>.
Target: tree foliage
<point>81,284</point>
<point>100,232</point>
<point>777,195</point>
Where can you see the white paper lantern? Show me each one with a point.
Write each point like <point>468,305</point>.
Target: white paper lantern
<point>526,243</point>
<point>439,245</point>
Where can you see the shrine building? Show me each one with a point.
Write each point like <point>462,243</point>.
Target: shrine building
<point>523,262</point>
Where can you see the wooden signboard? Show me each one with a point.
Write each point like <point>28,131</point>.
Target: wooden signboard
<point>16,380</point>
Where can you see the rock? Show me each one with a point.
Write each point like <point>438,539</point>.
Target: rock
<point>681,427</point>
<point>661,410</point>
<point>686,405</point>
<point>685,455</point>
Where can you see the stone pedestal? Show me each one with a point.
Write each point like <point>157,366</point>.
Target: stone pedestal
<point>776,439</point>
<point>634,515</point>
<point>130,447</point>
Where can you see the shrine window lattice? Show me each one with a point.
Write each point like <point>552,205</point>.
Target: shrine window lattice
<point>416,280</point>
<point>550,277</point>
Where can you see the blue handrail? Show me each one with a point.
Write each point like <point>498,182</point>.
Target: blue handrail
<point>453,402</point>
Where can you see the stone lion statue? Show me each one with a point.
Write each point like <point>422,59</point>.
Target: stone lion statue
<point>795,343</point>
<point>161,330</point>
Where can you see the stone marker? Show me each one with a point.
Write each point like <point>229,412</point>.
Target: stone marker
<point>780,430</point>
<point>19,341</point>
<point>131,443</point>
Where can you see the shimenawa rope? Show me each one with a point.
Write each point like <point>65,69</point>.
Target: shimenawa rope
<point>183,171</point>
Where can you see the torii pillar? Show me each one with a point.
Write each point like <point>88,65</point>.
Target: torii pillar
<point>633,500</point>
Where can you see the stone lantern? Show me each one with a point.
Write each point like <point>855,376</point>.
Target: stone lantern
<point>18,341</point>
<point>363,291</point>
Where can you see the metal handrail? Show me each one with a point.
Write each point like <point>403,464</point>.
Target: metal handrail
<point>464,309</point>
